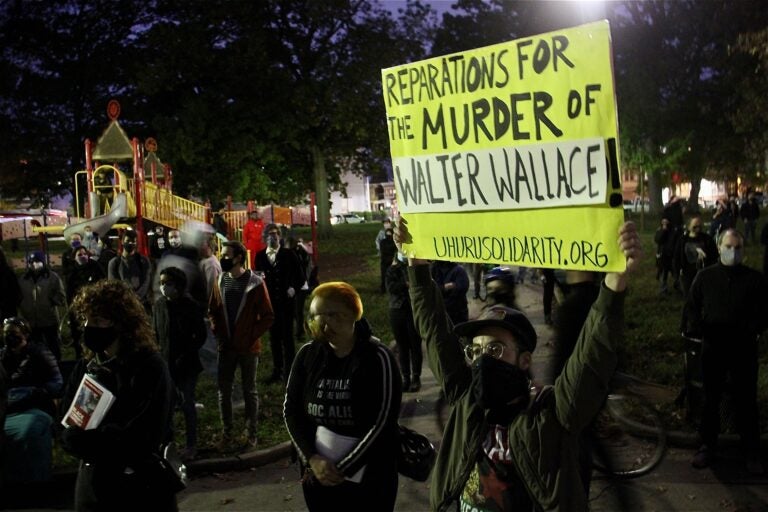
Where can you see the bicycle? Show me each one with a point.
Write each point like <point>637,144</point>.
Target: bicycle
<point>628,435</point>
<point>627,438</point>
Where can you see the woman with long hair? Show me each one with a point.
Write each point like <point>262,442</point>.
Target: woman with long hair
<point>118,459</point>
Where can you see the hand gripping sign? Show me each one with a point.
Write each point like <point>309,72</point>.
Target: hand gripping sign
<point>508,154</point>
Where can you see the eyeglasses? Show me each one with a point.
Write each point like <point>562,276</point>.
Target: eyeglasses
<point>330,315</point>
<point>495,349</point>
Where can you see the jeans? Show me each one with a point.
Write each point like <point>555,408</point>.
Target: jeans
<point>187,385</point>
<point>227,365</point>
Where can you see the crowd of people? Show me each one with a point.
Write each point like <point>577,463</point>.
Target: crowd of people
<point>138,324</point>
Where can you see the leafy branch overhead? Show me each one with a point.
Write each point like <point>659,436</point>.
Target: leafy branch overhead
<point>269,100</point>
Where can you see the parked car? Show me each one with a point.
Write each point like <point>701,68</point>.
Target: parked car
<point>347,218</point>
<point>635,205</point>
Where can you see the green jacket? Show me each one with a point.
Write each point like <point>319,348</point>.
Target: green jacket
<point>544,440</point>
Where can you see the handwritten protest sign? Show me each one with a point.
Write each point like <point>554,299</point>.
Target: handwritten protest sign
<point>508,154</point>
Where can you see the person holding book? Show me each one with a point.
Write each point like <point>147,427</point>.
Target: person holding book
<point>34,381</point>
<point>119,457</point>
<point>181,332</point>
<point>341,407</point>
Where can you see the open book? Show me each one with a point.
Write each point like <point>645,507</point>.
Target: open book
<point>334,447</point>
<point>90,405</point>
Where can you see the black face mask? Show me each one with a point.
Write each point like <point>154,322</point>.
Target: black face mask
<point>226,264</point>
<point>98,339</point>
<point>502,297</point>
<point>496,384</point>
<point>13,340</point>
<point>129,248</point>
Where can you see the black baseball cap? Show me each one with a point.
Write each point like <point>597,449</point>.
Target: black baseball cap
<point>506,318</point>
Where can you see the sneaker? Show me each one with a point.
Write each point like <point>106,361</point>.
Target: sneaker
<point>703,458</point>
<point>252,441</point>
<point>415,385</point>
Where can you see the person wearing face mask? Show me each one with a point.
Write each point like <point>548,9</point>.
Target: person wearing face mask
<point>240,312</point>
<point>500,285</point>
<point>34,383</point>
<point>68,256</point>
<point>344,385</point>
<point>727,307</point>
<point>504,449</point>
<point>42,292</point>
<point>87,271</point>
<point>284,277</point>
<point>385,225</point>
<point>387,252</point>
<point>90,240</point>
<point>180,332</point>
<point>186,258</point>
<point>133,268</point>
<point>694,251</point>
<point>118,458</point>
<point>158,242</point>
<point>401,321</point>
<point>106,253</point>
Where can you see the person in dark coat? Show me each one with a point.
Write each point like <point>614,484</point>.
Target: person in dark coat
<point>387,251</point>
<point>694,251</point>
<point>344,386</point>
<point>86,271</point>
<point>665,249</point>
<point>181,332</point>
<point>284,278</point>
<point>401,320</point>
<point>34,383</point>
<point>453,282</point>
<point>42,292</point>
<point>106,254</point>
<point>10,298</point>
<point>726,309</point>
<point>750,212</point>
<point>118,459</point>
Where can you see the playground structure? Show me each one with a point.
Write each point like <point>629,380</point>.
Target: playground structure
<point>114,199</point>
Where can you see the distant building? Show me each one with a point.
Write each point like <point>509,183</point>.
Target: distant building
<point>357,197</point>
<point>383,198</point>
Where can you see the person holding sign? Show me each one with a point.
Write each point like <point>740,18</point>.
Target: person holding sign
<point>118,459</point>
<point>526,447</point>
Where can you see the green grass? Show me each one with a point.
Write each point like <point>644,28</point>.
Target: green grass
<point>652,349</point>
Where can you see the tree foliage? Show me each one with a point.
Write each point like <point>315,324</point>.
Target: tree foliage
<point>268,100</point>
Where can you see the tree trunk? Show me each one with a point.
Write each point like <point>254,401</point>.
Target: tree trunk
<point>693,199</point>
<point>654,193</point>
<point>321,194</point>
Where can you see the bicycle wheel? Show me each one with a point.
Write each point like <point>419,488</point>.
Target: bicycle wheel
<point>629,438</point>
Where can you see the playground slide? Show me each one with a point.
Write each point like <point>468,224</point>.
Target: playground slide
<point>102,223</point>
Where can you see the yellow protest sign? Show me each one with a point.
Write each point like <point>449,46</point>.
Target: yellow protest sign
<point>508,154</point>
